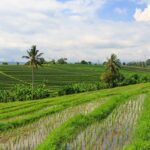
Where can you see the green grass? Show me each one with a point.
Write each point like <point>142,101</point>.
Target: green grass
<point>103,134</point>
<point>72,127</point>
<point>57,75</point>
<point>141,137</point>
<point>32,113</point>
<point>16,117</point>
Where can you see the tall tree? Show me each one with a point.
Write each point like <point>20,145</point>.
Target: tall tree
<point>113,64</point>
<point>112,75</point>
<point>34,60</point>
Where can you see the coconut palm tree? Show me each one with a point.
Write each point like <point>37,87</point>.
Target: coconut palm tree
<point>112,75</point>
<point>34,60</point>
<point>113,64</point>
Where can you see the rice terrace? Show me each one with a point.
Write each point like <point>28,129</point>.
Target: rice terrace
<point>114,118</point>
<point>75,75</point>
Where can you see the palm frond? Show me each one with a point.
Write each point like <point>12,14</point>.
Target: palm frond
<point>34,56</point>
<point>27,57</point>
<point>39,55</point>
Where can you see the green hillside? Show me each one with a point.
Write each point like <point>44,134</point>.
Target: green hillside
<point>56,75</point>
<point>64,122</point>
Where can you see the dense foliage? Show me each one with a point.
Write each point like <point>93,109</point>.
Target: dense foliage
<point>111,76</point>
<point>138,63</point>
<point>120,81</point>
<point>81,87</point>
<point>23,92</point>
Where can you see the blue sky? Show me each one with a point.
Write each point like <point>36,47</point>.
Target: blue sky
<point>121,10</point>
<point>76,29</point>
<point>117,10</point>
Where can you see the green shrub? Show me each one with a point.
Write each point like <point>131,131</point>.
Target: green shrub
<point>23,92</point>
<point>120,81</point>
<point>133,79</point>
<point>81,87</point>
<point>145,79</point>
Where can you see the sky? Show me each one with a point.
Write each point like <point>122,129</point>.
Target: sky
<point>75,29</point>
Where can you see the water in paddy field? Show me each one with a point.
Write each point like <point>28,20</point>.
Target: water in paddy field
<point>114,132</point>
<point>28,137</point>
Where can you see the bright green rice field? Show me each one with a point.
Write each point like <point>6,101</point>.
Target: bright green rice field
<point>110,119</point>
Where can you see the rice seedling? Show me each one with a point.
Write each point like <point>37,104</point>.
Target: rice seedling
<point>20,117</point>
<point>30,127</point>
<point>78,123</point>
<point>114,132</point>
<point>28,137</point>
<point>141,138</point>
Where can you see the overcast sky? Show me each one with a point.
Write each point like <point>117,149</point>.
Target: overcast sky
<point>76,29</point>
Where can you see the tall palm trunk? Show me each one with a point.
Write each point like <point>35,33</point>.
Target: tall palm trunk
<point>32,80</point>
<point>34,60</point>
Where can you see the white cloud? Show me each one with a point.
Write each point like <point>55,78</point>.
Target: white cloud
<point>144,1</point>
<point>142,15</point>
<point>69,29</point>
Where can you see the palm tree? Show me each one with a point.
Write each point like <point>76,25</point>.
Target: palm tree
<point>112,75</point>
<point>34,60</point>
<point>113,64</point>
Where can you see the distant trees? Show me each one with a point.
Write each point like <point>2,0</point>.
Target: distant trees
<point>148,62</point>
<point>123,63</point>
<point>53,61</point>
<point>62,61</point>
<point>137,63</point>
<point>4,63</point>
<point>59,61</point>
<point>83,62</point>
<point>112,74</point>
<point>34,60</point>
<point>42,61</point>
<point>17,63</point>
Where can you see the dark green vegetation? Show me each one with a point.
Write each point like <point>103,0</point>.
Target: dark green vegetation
<point>56,76</point>
<point>19,116</point>
<point>112,75</point>
<point>64,79</point>
<point>23,92</point>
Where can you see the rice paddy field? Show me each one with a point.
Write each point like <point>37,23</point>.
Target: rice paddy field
<point>56,76</point>
<point>110,119</point>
